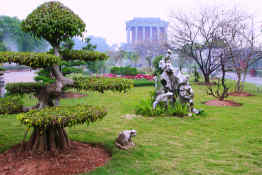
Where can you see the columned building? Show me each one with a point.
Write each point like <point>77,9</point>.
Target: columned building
<point>145,30</point>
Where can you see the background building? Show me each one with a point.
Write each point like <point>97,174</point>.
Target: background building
<point>145,30</point>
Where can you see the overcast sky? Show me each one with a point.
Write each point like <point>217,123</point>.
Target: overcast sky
<point>106,18</point>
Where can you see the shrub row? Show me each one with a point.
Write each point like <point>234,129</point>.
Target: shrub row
<point>102,83</point>
<point>24,88</point>
<point>34,60</point>
<point>11,105</point>
<point>124,71</point>
<point>80,82</point>
<point>62,116</point>
<point>83,55</point>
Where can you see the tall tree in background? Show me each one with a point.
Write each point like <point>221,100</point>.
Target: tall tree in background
<point>12,36</point>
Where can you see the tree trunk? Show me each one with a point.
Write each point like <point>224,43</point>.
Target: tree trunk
<point>50,96</point>
<point>50,139</point>
<point>244,79</point>
<point>238,88</point>
<point>207,79</point>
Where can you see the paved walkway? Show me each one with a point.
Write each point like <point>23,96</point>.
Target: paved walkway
<point>24,76</point>
<point>249,79</point>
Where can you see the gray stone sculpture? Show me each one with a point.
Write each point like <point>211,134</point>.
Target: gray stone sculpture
<point>124,141</point>
<point>175,85</point>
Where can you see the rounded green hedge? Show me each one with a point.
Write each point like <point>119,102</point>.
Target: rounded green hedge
<point>83,55</point>
<point>11,105</point>
<point>62,116</point>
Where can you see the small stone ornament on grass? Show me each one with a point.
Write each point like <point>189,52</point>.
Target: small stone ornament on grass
<point>124,141</point>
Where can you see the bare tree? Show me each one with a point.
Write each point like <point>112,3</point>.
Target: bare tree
<point>195,36</point>
<point>243,45</point>
<point>200,36</point>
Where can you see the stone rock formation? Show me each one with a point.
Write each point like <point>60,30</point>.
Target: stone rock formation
<point>175,85</point>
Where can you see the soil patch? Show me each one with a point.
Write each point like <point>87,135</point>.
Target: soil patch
<point>240,94</point>
<point>72,95</point>
<point>222,103</point>
<point>81,158</point>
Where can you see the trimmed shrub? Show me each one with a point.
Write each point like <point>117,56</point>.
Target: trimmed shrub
<point>143,82</point>
<point>83,55</point>
<point>34,60</point>
<point>69,70</point>
<point>11,105</point>
<point>102,83</point>
<point>23,88</point>
<point>61,116</point>
<point>156,61</point>
<point>124,70</point>
<point>2,69</point>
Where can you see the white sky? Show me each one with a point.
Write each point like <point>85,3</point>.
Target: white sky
<point>106,18</point>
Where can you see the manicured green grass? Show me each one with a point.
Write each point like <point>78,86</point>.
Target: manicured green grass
<point>226,141</point>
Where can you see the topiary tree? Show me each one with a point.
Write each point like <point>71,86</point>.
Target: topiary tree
<point>55,23</point>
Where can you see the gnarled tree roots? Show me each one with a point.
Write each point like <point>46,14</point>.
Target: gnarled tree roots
<point>49,139</point>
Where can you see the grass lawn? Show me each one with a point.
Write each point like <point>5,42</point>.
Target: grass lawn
<point>226,141</point>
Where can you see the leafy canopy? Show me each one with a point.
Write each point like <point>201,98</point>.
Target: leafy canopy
<point>54,22</point>
<point>34,60</point>
<point>62,116</point>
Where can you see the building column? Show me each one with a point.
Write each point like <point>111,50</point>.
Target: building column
<point>144,33</point>
<point>128,35</point>
<point>136,34</point>
<point>151,33</point>
<point>133,34</point>
<point>159,34</point>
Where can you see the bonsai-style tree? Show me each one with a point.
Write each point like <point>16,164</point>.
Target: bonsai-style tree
<point>55,23</point>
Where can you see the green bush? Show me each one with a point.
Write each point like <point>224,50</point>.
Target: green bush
<point>178,109</point>
<point>143,82</point>
<point>2,69</point>
<point>11,105</point>
<point>69,70</point>
<point>156,61</point>
<point>62,116</point>
<point>145,108</point>
<point>83,55</point>
<point>124,71</point>
<point>102,83</point>
<point>24,88</point>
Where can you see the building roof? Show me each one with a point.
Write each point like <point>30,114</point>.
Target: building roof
<point>146,22</point>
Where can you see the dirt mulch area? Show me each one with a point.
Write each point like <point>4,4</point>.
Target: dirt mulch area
<point>72,95</point>
<point>240,94</point>
<point>222,103</point>
<point>81,158</point>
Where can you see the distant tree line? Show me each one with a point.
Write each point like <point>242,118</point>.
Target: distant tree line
<point>13,38</point>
